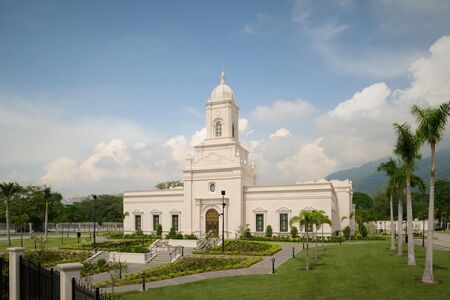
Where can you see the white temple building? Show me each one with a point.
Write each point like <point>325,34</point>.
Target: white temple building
<point>222,164</point>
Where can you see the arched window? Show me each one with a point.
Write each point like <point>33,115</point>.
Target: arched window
<point>218,128</point>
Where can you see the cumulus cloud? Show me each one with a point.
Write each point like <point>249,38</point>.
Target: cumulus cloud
<point>309,162</point>
<point>282,110</point>
<point>282,132</point>
<point>60,171</point>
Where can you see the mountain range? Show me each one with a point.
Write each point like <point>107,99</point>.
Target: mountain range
<point>367,179</point>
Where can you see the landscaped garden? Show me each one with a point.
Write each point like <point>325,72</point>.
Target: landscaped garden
<point>126,245</point>
<point>353,270</point>
<point>239,247</point>
<point>185,266</point>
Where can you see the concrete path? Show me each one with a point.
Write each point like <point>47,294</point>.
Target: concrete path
<point>263,267</point>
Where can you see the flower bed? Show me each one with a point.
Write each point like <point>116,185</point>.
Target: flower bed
<point>239,247</point>
<point>185,266</point>
<point>130,246</point>
<point>50,258</point>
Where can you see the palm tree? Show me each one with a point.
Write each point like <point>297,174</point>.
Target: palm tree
<point>306,219</point>
<point>9,190</point>
<point>323,219</point>
<point>46,195</point>
<point>390,168</point>
<point>407,147</point>
<point>432,122</point>
<point>317,222</point>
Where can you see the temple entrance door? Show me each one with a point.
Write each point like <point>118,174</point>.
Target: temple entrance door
<point>212,222</point>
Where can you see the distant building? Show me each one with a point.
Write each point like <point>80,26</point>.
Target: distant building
<point>222,164</point>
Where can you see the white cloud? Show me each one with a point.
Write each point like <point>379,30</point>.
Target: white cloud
<point>179,147</point>
<point>309,163</point>
<point>198,137</point>
<point>282,110</point>
<point>369,103</point>
<point>60,171</point>
<point>282,132</point>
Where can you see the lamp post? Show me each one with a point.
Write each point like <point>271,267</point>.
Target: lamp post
<point>95,220</point>
<point>223,221</point>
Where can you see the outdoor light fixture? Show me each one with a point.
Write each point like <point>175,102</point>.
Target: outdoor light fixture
<point>223,221</point>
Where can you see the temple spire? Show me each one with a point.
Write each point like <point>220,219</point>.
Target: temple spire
<point>222,78</point>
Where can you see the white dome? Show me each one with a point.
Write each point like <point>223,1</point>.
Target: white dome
<point>222,92</point>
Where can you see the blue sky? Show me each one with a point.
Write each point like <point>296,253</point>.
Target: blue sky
<point>89,72</point>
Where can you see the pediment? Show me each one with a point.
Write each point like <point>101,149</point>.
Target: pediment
<point>283,209</point>
<point>213,158</point>
<point>137,212</point>
<point>259,209</point>
<point>175,211</point>
<point>156,212</point>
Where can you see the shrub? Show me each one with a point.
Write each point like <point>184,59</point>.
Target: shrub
<point>347,232</point>
<point>172,233</point>
<point>159,230</point>
<point>269,231</point>
<point>190,237</point>
<point>49,258</point>
<point>363,230</point>
<point>247,234</point>
<point>294,232</point>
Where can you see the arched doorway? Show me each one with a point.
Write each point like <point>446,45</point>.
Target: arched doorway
<point>212,222</point>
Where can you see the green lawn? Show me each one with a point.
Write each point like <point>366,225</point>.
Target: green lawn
<point>364,270</point>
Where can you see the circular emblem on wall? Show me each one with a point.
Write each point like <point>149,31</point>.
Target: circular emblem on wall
<point>212,187</point>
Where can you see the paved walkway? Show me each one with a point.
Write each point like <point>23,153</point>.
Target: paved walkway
<point>263,267</point>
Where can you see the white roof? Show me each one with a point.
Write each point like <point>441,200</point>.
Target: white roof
<point>222,92</point>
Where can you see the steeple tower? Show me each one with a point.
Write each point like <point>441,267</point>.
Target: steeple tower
<point>222,115</point>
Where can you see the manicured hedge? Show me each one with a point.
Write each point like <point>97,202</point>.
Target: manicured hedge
<point>185,266</point>
<point>239,247</point>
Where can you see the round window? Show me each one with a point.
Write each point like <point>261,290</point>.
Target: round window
<point>212,187</point>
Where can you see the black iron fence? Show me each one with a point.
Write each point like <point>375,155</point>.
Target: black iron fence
<point>82,292</point>
<point>4,279</point>
<point>37,282</point>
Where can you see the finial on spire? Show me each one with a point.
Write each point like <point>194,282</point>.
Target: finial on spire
<point>222,78</point>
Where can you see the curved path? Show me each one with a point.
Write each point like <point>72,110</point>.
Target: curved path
<point>262,267</point>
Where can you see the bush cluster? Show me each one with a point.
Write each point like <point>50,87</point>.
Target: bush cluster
<point>126,245</point>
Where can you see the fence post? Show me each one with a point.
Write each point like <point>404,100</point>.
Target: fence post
<point>67,272</point>
<point>14,272</point>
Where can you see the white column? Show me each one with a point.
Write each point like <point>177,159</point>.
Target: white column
<point>67,272</point>
<point>14,272</point>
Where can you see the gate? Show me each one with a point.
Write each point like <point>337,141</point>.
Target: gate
<point>80,292</point>
<point>38,283</point>
<point>4,279</point>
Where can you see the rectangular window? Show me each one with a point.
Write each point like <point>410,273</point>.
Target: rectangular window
<point>175,222</point>
<point>283,222</point>
<point>138,223</point>
<point>259,222</point>
<point>155,222</point>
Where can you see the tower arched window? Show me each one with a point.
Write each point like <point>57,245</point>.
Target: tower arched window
<point>218,128</point>
<point>232,130</point>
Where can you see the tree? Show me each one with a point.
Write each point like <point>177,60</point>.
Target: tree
<point>407,148</point>
<point>269,231</point>
<point>431,125</point>
<point>323,219</point>
<point>8,191</point>
<point>391,168</point>
<point>317,217</point>
<point>305,219</point>
<point>169,184</point>
<point>20,220</point>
